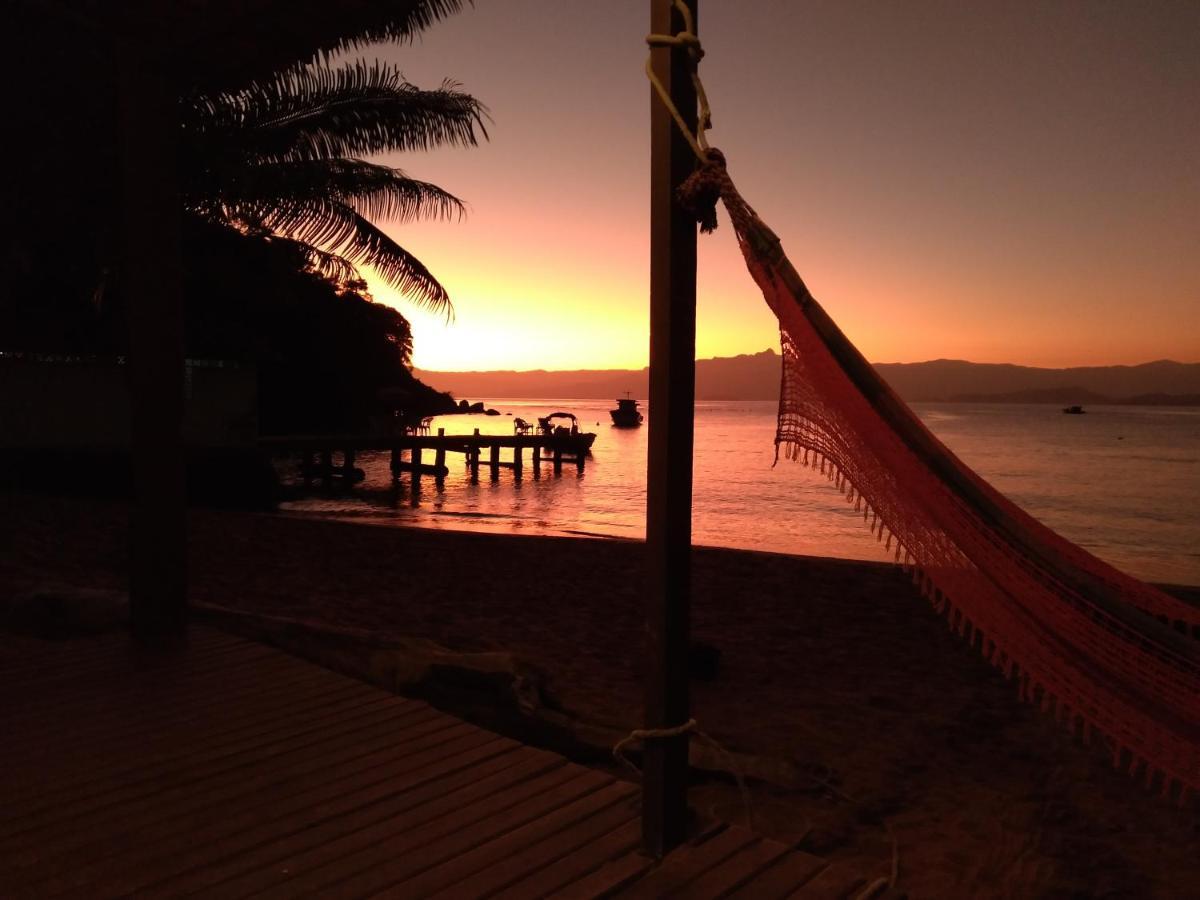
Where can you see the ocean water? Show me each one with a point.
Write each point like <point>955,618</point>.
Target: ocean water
<point>1121,481</point>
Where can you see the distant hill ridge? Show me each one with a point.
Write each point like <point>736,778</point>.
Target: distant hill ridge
<point>756,377</point>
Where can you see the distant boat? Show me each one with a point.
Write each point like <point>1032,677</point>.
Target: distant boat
<point>1074,410</point>
<point>626,414</point>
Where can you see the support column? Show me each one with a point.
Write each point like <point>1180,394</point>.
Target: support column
<point>150,281</point>
<point>439,459</point>
<point>669,472</point>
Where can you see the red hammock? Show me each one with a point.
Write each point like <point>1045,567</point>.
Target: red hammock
<point>1084,640</point>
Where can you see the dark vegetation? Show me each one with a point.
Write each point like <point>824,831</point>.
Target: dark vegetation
<point>278,206</point>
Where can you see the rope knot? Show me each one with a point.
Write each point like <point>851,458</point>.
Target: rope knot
<point>702,189</point>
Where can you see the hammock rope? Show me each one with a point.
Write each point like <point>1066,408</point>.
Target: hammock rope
<point>687,39</point>
<point>1090,645</point>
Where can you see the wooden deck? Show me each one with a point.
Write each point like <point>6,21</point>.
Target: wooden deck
<point>230,769</point>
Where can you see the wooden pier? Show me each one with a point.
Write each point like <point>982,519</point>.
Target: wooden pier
<point>328,457</point>
<point>226,769</point>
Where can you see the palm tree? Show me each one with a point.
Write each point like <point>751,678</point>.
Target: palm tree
<point>282,158</point>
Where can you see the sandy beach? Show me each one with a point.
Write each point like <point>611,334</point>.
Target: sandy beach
<point>901,735</point>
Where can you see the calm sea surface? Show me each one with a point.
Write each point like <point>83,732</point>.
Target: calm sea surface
<point>1121,481</point>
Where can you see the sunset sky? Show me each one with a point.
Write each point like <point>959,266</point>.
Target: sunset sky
<point>1000,182</point>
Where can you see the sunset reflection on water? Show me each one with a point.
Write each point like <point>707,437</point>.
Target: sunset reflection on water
<point>1123,482</point>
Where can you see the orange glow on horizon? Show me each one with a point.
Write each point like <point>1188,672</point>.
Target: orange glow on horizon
<point>937,205</point>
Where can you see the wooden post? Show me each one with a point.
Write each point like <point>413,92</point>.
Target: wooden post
<point>416,469</point>
<point>150,282</point>
<point>579,462</point>
<point>348,466</point>
<point>494,461</point>
<point>537,460</point>
<point>517,462</point>
<point>440,458</point>
<point>669,471</point>
<point>557,460</point>
<point>474,456</point>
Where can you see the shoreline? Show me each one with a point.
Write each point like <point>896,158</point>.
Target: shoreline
<point>1187,592</point>
<point>835,668</point>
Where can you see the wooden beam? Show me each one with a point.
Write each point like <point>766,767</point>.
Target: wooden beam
<point>150,281</point>
<point>669,473</point>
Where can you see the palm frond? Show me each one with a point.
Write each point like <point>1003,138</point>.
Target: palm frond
<point>396,28</point>
<point>336,228</point>
<point>319,112</point>
<point>374,191</point>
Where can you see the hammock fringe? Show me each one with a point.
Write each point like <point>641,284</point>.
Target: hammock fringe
<point>1082,640</point>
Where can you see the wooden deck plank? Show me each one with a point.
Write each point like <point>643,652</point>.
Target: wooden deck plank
<point>201,840</point>
<point>505,859</point>
<point>689,862</point>
<point>215,749</point>
<point>836,881</point>
<point>228,768</point>
<point>299,744</point>
<point>106,757</point>
<point>591,856</point>
<point>610,878</point>
<point>264,848</point>
<point>222,802</point>
<point>783,878</point>
<point>397,828</point>
<point>391,859</point>
<point>735,872</point>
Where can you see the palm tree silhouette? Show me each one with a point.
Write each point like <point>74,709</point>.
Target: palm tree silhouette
<point>282,158</point>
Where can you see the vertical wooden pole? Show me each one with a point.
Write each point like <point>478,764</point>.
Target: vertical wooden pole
<point>439,459</point>
<point>474,456</point>
<point>494,462</point>
<point>416,469</point>
<point>557,460</point>
<point>517,462</point>
<point>669,472</point>
<point>537,460</point>
<point>151,282</point>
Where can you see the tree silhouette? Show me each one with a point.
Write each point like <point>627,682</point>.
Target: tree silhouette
<point>281,156</point>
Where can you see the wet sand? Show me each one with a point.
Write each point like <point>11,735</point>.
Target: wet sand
<point>837,669</point>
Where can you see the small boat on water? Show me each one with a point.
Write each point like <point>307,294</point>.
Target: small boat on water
<point>1074,410</point>
<point>626,414</point>
<point>563,429</point>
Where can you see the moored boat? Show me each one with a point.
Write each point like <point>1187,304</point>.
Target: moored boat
<point>626,414</point>
<point>567,436</point>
